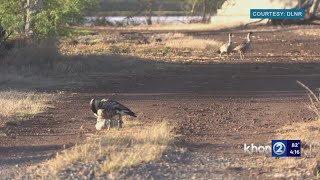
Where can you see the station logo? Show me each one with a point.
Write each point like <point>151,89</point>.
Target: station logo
<point>286,148</point>
<point>279,148</point>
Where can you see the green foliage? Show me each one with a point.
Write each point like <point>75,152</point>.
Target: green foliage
<point>164,7</point>
<point>48,20</point>
<point>10,14</point>
<point>211,5</point>
<point>134,5</point>
<point>78,32</point>
<point>56,14</point>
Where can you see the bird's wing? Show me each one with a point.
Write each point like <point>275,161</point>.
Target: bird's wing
<point>240,46</point>
<point>111,104</point>
<point>223,47</point>
<point>231,47</point>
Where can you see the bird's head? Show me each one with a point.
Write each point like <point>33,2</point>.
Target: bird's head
<point>248,36</point>
<point>91,102</point>
<point>94,103</point>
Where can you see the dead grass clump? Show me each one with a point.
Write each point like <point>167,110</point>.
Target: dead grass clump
<point>22,104</point>
<point>134,144</point>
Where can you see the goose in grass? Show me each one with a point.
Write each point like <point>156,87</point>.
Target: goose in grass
<point>244,47</point>
<point>226,48</point>
<point>106,109</point>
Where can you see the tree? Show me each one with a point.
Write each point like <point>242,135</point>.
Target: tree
<point>145,8</point>
<point>12,15</point>
<point>149,11</point>
<point>43,18</point>
<point>311,8</point>
<point>205,8</point>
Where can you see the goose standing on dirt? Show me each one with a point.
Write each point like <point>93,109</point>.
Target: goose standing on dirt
<point>244,47</point>
<point>226,48</point>
<point>106,109</point>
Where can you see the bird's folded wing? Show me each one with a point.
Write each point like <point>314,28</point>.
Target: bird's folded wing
<point>110,104</point>
<point>240,46</point>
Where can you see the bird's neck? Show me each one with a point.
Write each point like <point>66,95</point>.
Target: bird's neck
<point>229,38</point>
<point>248,38</point>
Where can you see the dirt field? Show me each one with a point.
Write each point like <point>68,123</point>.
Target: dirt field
<point>215,105</point>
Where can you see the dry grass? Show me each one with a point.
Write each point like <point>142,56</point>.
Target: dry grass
<point>310,32</point>
<point>192,43</point>
<point>313,98</point>
<point>133,144</point>
<point>180,27</point>
<point>309,134</point>
<point>44,65</point>
<point>175,47</point>
<point>22,104</point>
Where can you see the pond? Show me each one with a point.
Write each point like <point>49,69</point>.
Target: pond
<point>141,20</point>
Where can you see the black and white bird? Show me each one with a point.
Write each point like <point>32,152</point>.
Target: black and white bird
<point>244,47</point>
<point>108,109</point>
<point>226,48</point>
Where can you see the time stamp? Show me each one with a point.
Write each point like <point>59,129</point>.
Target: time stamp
<point>286,148</point>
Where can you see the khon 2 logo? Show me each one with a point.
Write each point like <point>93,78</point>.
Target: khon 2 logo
<point>286,148</point>
<point>279,148</point>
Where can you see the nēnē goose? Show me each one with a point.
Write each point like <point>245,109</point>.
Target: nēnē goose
<point>226,48</point>
<point>244,47</point>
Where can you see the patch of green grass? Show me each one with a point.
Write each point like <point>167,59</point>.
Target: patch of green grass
<point>78,32</point>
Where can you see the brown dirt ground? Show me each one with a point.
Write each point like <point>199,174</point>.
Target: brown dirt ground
<point>215,107</point>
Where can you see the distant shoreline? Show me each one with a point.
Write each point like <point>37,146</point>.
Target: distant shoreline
<point>128,13</point>
<point>141,20</point>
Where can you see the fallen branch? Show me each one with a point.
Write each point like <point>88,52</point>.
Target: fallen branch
<point>309,90</point>
<point>253,22</point>
<point>314,100</point>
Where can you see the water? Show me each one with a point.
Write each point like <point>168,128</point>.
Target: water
<point>142,20</point>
